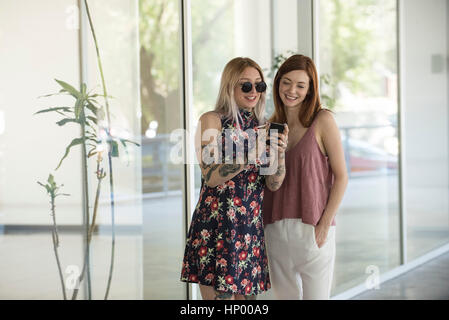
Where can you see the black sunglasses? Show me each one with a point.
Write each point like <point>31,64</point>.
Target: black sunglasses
<point>248,86</point>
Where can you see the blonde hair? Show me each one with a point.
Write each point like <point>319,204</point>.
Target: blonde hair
<point>225,102</point>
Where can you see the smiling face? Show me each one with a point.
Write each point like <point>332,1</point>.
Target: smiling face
<point>293,88</point>
<point>247,100</point>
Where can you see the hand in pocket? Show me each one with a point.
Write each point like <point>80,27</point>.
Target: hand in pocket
<point>321,232</point>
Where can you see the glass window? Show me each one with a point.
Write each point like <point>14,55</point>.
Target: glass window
<point>358,79</point>
<point>39,259</point>
<point>426,105</point>
<point>162,180</point>
<point>32,145</point>
<point>116,28</point>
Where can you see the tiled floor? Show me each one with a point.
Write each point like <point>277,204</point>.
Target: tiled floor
<point>429,281</point>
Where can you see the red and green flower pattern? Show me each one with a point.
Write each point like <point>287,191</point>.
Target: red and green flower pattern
<point>225,244</point>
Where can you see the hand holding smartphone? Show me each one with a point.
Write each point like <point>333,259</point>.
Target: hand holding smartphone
<point>275,126</point>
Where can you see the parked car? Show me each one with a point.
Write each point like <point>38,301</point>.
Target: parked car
<point>363,157</point>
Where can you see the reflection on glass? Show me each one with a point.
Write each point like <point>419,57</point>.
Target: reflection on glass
<point>358,76</point>
<point>116,28</point>
<point>161,113</point>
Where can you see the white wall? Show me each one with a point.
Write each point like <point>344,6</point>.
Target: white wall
<point>252,30</point>
<point>38,44</point>
<point>286,25</point>
<point>426,108</point>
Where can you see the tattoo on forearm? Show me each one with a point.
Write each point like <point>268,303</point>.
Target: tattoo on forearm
<point>274,185</point>
<point>274,181</point>
<point>280,171</point>
<point>212,168</point>
<point>227,169</point>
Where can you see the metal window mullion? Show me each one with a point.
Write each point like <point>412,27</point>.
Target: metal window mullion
<point>187,111</point>
<point>315,25</point>
<point>305,27</point>
<point>400,23</point>
<point>273,30</point>
<point>83,64</point>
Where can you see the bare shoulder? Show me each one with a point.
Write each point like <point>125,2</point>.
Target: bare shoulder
<point>325,115</point>
<point>210,119</point>
<point>325,121</point>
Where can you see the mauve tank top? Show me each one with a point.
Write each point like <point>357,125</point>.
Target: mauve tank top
<point>305,190</point>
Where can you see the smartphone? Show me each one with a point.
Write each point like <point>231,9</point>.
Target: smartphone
<point>275,126</point>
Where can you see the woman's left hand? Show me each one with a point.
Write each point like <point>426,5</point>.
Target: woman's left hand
<point>321,234</point>
<point>283,140</point>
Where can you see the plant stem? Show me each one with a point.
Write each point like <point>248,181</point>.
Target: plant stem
<point>108,131</point>
<point>100,177</point>
<point>111,185</point>
<point>86,209</point>
<point>55,238</point>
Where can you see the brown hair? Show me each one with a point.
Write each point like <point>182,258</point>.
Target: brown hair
<point>311,104</point>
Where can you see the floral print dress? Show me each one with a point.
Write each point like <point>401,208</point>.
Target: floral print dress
<point>225,245</point>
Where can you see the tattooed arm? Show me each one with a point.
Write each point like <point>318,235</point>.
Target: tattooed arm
<point>274,181</point>
<point>209,152</point>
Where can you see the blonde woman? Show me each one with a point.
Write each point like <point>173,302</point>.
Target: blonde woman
<point>225,250</point>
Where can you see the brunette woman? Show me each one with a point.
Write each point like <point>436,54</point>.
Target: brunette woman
<point>299,214</point>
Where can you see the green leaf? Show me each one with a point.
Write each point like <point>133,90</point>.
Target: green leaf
<point>95,141</point>
<point>91,134</point>
<point>46,186</point>
<point>97,111</point>
<point>71,90</point>
<point>67,120</point>
<point>78,107</point>
<point>83,89</point>
<point>91,107</point>
<point>65,109</point>
<point>51,179</point>
<point>114,148</point>
<point>94,102</point>
<point>93,119</point>
<point>74,142</point>
<point>62,194</point>
<point>101,95</point>
<point>92,153</point>
<point>59,93</point>
<point>124,141</point>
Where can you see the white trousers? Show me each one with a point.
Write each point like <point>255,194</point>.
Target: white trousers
<point>298,268</point>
